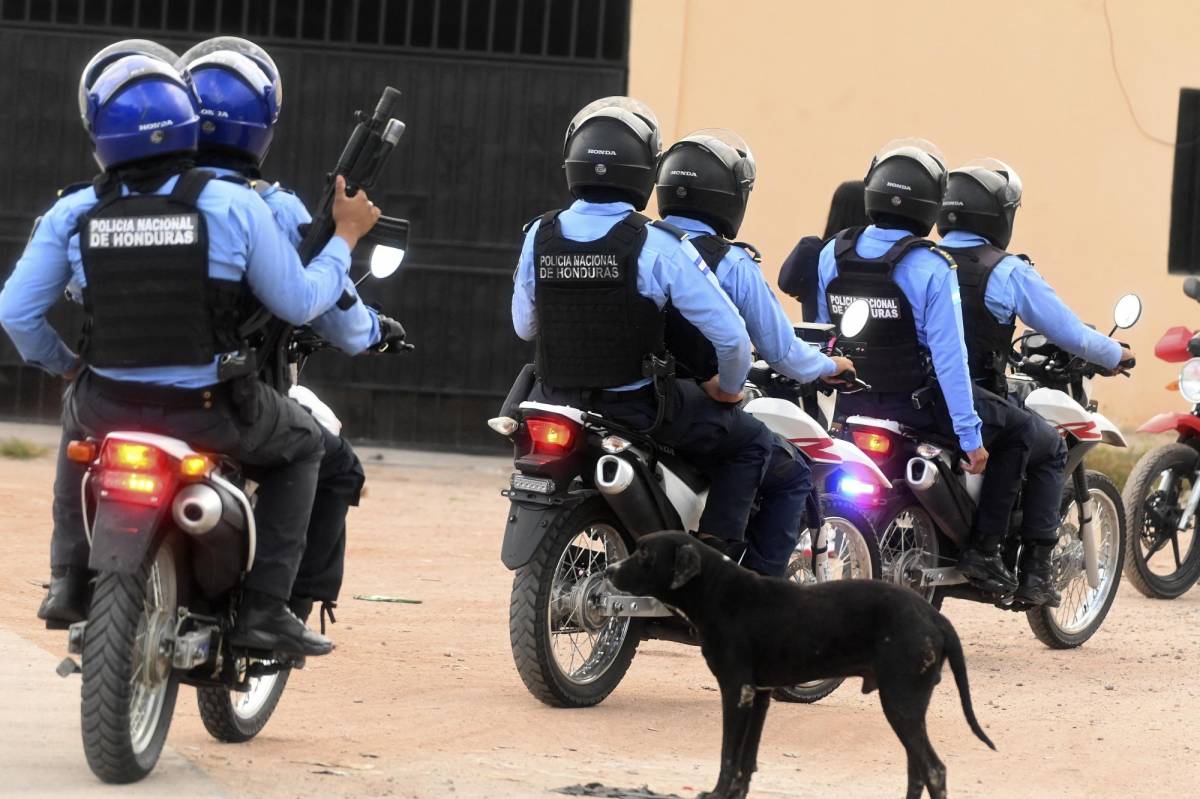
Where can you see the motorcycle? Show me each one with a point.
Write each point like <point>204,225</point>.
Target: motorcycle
<point>586,488</point>
<point>1161,495</point>
<point>924,522</point>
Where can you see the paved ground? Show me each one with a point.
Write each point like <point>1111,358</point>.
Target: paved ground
<point>423,700</point>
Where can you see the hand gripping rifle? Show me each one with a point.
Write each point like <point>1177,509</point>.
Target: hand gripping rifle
<point>266,340</point>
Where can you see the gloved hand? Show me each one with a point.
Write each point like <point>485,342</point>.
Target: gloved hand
<point>845,373</point>
<point>391,334</point>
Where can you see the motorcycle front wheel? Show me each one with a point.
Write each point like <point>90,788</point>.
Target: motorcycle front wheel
<point>1161,561</point>
<point>129,687</point>
<point>567,654</point>
<point>853,555</point>
<point>237,716</point>
<point>1083,608</point>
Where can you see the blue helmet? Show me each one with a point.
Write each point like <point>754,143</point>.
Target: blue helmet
<point>139,107</point>
<point>116,51</point>
<point>239,92</point>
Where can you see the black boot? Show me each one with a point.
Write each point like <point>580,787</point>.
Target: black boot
<point>726,546</point>
<point>301,607</point>
<point>1037,577</point>
<point>983,566</point>
<point>66,599</point>
<point>266,623</point>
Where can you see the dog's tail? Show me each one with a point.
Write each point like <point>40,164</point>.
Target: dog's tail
<point>954,653</point>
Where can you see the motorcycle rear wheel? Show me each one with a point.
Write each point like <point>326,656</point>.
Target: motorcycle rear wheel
<point>237,716</point>
<point>547,631</point>
<point>129,687</point>
<point>854,544</point>
<point>1148,507</point>
<point>1083,608</point>
<point>908,542</point>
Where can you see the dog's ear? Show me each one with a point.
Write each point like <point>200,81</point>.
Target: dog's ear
<point>687,565</point>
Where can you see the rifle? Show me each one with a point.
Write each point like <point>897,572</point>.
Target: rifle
<point>361,162</point>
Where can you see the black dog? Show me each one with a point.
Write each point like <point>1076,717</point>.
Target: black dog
<point>759,633</point>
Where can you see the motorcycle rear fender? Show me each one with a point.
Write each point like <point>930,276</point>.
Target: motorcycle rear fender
<point>1185,424</point>
<point>529,519</point>
<point>122,536</point>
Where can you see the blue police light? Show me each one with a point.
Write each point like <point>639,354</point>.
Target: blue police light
<point>853,487</point>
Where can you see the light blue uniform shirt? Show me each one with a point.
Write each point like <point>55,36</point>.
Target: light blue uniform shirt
<point>244,242</point>
<point>931,288</point>
<point>666,271</point>
<point>1016,289</point>
<point>351,330</point>
<point>771,332</point>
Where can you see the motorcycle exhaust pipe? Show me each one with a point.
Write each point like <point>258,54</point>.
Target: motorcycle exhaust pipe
<point>199,508</point>
<point>936,495</point>
<point>627,495</point>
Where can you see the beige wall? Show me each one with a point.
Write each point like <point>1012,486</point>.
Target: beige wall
<point>817,87</point>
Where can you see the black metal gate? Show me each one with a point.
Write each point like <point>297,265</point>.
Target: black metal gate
<point>488,85</point>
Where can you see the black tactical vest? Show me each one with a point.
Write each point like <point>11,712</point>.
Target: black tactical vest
<point>694,354</point>
<point>595,330</point>
<point>887,353</point>
<point>988,341</point>
<point>149,300</point>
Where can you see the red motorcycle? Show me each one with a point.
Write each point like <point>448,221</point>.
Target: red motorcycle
<point>1161,496</point>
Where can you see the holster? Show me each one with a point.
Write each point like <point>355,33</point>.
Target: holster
<point>661,371</point>
<point>243,393</point>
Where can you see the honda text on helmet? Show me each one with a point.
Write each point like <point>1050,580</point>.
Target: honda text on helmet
<point>906,182</point>
<point>239,92</point>
<point>138,107</point>
<point>982,197</point>
<point>613,143</point>
<point>707,175</point>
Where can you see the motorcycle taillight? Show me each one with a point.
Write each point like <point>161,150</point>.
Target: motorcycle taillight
<point>133,472</point>
<point>876,443</point>
<point>551,436</point>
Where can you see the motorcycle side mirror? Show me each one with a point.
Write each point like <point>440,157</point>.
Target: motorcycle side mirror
<point>390,237</point>
<point>854,319</point>
<point>1127,311</point>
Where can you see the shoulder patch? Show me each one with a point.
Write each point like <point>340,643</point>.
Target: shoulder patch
<point>71,188</point>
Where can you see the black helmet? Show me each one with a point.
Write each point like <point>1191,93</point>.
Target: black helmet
<point>613,143</point>
<point>982,197</point>
<point>707,175</point>
<point>907,180</point>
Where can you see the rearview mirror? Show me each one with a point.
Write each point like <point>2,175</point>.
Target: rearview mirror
<point>855,318</point>
<point>1127,311</point>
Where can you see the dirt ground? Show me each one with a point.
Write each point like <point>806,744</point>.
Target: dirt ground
<point>423,700</point>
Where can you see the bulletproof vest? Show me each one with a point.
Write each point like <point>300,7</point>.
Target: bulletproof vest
<point>887,353</point>
<point>988,341</point>
<point>694,354</point>
<point>149,301</point>
<point>594,329</point>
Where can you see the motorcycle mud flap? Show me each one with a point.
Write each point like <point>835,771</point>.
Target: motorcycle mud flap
<point>530,517</point>
<point>122,534</point>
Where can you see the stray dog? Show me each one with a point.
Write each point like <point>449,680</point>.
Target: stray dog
<point>759,633</point>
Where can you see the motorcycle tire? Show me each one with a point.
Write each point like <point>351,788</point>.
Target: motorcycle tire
<point>235,717</point>
<point>121,745</point>
<point>890,545</point>
<point>1045,622</point>
<point>530,621</point>
<point>1182,460</point>
<point>831,507</point>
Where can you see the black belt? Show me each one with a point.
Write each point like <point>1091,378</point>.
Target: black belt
<point>152,394</point>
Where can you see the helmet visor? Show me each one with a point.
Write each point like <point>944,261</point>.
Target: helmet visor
<point>1000,179</point>
<point>730,147</point>
<point>121,73</point>
<point>248,71</point>
<point>114,52</point>
<point>632,112</point>
<point>212,51</point>
<point>921,150</point>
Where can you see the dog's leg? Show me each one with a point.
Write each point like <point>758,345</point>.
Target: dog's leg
<point>748,757</point>
<point>905,700</point>
<point>737,705</point>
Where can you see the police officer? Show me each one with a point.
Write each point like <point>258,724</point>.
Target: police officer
<point>703,185</point>
<point>164,255</point>
<point>917,323</point>
<point>590,288</point>
<point>976,224</point>
<point>240,95</point>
